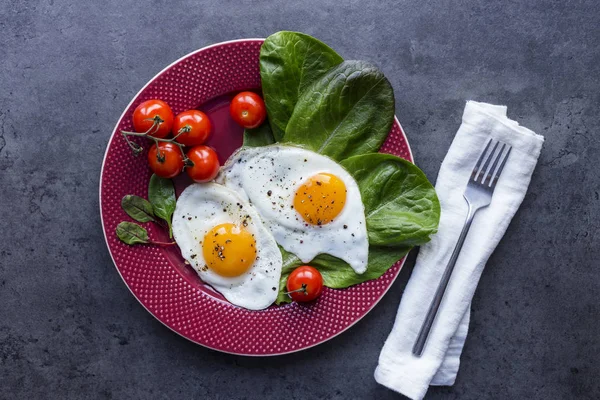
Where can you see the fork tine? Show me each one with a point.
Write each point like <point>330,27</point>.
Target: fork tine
<point>490,172</point>
<point>480,161</point>
<point>500,168</point>
<point>486,165</point>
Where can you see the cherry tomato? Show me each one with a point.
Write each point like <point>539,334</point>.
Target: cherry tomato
<point>305,283</point>
<point>146,113</point>
<point>166,163</point>
<point>248,109</point>
<point>206,164</point>
<point>197,124</point>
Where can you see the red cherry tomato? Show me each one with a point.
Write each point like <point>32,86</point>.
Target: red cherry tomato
<point>167,161</point>
<point>153,110</point>
<point>305,283</point>
<point>206,164</point>
<point>248,110</point>
<point>196,123</point>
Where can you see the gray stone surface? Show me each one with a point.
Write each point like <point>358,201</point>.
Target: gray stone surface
<point>70,329</point>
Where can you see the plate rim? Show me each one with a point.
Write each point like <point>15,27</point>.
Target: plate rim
<point>104,158</point>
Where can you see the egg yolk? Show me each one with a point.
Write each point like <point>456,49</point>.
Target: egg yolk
<point>320,199</point>
<point>229,250</point>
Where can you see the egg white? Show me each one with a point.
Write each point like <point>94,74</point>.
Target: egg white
<point>203,206</point>
<point>268,178</point>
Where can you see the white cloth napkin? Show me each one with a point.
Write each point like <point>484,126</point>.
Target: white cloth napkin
<point>398,368</point>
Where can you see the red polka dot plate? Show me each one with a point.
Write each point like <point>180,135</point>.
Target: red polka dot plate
<point>171,291</point>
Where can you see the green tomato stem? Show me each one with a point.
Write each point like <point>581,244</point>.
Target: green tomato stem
<point>136,148</point>
<point>302,289</point>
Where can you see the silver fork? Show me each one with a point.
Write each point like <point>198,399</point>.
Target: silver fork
<point>478,195</point>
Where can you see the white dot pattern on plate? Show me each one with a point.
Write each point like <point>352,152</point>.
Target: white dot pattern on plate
<point>158,278</point>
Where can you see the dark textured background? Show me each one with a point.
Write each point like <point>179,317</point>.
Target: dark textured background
<point>69,328</point>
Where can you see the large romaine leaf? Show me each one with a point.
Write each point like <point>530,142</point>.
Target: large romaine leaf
<point>346,112</point>
<point>401,206</point>
<point>290,62</point>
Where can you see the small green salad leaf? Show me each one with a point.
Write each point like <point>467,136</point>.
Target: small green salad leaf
<point>137,208</point>
<point>131,233</point>
<point>290,262</point>
<point>348,111</point>
<point>401,207</point>
<point>289,63</point>
<point>161,194</point>
<point>261,136</point>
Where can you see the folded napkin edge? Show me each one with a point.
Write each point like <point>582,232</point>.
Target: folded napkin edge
<point>504,120</point>
<point>399,383</point>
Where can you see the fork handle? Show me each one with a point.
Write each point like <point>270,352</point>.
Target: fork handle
<point>439,294</point>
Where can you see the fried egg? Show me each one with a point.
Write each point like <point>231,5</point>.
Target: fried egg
<point>311,204</point>
<point>224,240</point>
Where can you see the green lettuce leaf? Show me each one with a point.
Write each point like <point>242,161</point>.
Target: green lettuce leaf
<point>290,262</point>
<point>348,111</point>
<point>131,233</point>
<point>401,207</point>
<point>137,208</point>
<point>290,62</point>
<point>161,194</point>
<point>257,137</point>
